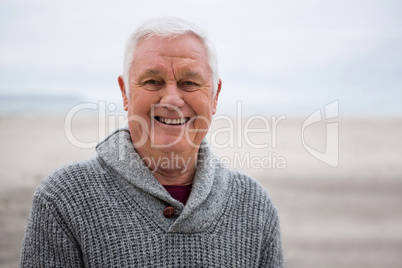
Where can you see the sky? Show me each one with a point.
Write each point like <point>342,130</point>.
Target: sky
<point>278,57</point>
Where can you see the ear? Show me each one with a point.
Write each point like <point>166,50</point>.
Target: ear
<point>215,101</point>
<point>123,92</point>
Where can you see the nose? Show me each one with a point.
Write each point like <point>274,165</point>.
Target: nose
<point>171,97</point>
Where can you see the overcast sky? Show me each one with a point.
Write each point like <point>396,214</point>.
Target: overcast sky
<point>276,56</point>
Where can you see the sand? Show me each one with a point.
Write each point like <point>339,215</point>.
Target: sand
<point>344,216</point>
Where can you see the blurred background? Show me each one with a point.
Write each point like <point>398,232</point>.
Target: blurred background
<point>277,59</point>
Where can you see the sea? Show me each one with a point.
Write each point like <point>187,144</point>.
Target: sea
<point>36,104</point>
<point>41,104</point>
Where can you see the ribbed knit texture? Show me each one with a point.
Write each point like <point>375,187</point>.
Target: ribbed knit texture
<point>108,212</point>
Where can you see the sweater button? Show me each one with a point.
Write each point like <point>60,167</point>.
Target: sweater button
<point>168,212</point>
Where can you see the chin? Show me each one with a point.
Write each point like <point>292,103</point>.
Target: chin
<point>171,144</point>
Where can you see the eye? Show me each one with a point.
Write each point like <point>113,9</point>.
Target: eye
<point>152,84</point>
<point>188,85</point>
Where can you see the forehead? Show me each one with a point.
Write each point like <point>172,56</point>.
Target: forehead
<point>183,48</point>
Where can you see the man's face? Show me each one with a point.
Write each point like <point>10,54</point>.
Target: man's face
<point>171,102</point>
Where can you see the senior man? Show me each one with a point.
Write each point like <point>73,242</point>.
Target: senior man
<point>155,196</point>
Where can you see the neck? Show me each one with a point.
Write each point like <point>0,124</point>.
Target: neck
<point>166,178</point>
<point>173,169</point>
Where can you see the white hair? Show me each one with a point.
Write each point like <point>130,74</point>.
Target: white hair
<point>168,27</point>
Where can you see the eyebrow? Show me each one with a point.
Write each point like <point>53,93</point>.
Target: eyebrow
<point>148,72</point>
<point>194,75</point>
<point>156,72</point>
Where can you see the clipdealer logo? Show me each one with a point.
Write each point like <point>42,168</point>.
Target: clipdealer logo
<point>331,154</point>
<point>107,125</point>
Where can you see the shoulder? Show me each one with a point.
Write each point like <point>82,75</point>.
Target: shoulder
<point>71,180</point>
<point>245,189</point>
<point>250,199</point>
<point>71,173</point>
<point>246,184</point>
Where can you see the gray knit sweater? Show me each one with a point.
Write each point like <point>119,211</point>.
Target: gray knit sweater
<point>108,212</point>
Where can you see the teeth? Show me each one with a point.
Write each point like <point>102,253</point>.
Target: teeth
<point>168,121</point>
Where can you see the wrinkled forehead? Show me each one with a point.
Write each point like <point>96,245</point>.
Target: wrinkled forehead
<point>185,52</point>
<point>185,46</point>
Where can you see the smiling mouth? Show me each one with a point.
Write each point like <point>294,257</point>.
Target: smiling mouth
<point>169,121</point>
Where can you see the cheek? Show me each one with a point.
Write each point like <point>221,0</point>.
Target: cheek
<point>137,115</point>
<point>202,107</point>
<point>201,103</point>
<point>141,101</point>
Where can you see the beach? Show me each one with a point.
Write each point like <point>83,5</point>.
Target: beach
<point>348,215</point>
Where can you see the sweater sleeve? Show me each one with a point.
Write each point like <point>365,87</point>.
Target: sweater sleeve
<point>271,251</point>
<point>47,240</point>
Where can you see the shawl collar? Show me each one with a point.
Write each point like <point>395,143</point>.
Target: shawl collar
<point>206,201</point>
